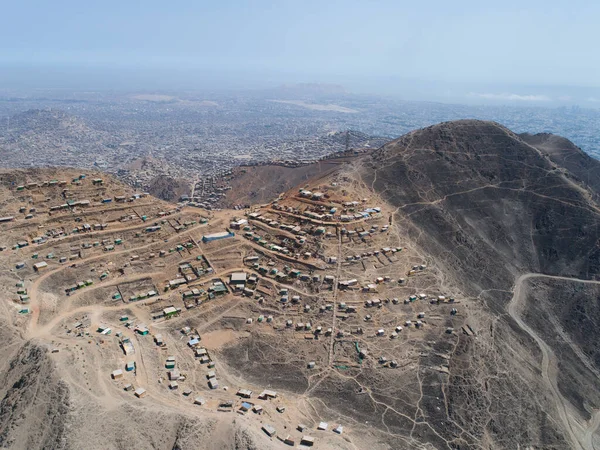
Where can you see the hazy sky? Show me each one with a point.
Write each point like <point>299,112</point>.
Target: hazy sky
<point>526,41</point>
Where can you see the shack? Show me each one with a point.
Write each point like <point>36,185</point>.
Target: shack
<point>170,311</point>
<point>140,392</point>
<point>238,278</point>
<point>40,266</point>
<point>217,236</point>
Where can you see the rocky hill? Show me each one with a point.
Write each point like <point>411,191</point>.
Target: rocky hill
<point>253,185</point>
<point>513,221</point>
<point>167,188</point>
<point>565,154</point>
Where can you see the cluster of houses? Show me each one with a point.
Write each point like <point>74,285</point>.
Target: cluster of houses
<point>122,198</point>
<point>202,355</point>
<point>23,297</point>
<point>141,295</point>
<point>321,212</point>
<point>55,233</point>
<point>258,239</point>
<point>306,441</point>
<point>130,366</point>
<point>362,233</point>
<point>299,231</point>
<point>50,183</point>
<point>70,204</point>
<point>73,203</point>
<point>188,273</point>
<point>193,270</point>
<point>296,229</point>
<point>242,283</point>
<point>317,196</point>
<point>288,273</point>
<point>80,285</point>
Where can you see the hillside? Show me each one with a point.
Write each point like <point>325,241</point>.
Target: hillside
<point>255,185</point>
<point>439,292</point>
<point>565,154</point>
<point>167,188</point>
<point>53,138</point>
<point>499,215</point>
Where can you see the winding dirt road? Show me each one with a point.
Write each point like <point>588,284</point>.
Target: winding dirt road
<point>580,434</point>
<point>33,290</point>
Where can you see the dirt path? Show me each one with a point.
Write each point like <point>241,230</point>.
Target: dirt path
<point>580,435</point>
<point>335,296</point>
<point>590,431</point>
<point>97,308</point>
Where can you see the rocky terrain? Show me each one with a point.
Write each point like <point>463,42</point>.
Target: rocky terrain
<point>439,292</point>
<point>491,208</point>
<point>169,189</point>
<point>255,185</point>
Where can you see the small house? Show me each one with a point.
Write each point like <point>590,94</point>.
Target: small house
<point>238,278</point>
<point>245,406</point>
<point>170,311</point>
<point>142,330</point>
<point>307,441</point>
<point>244,393</point>
<point>140,392</point>
<point>40,266</point>
<point>266,394</point>
<point>269,430</point>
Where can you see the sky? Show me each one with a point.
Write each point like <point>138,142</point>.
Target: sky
<point>368,44</point>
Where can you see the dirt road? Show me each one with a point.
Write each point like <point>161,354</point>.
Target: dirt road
<point>581,435</point>
<point>33,290</point>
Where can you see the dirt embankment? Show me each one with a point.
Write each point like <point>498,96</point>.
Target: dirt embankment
<point>257,185</point>
<point>168,189</point>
